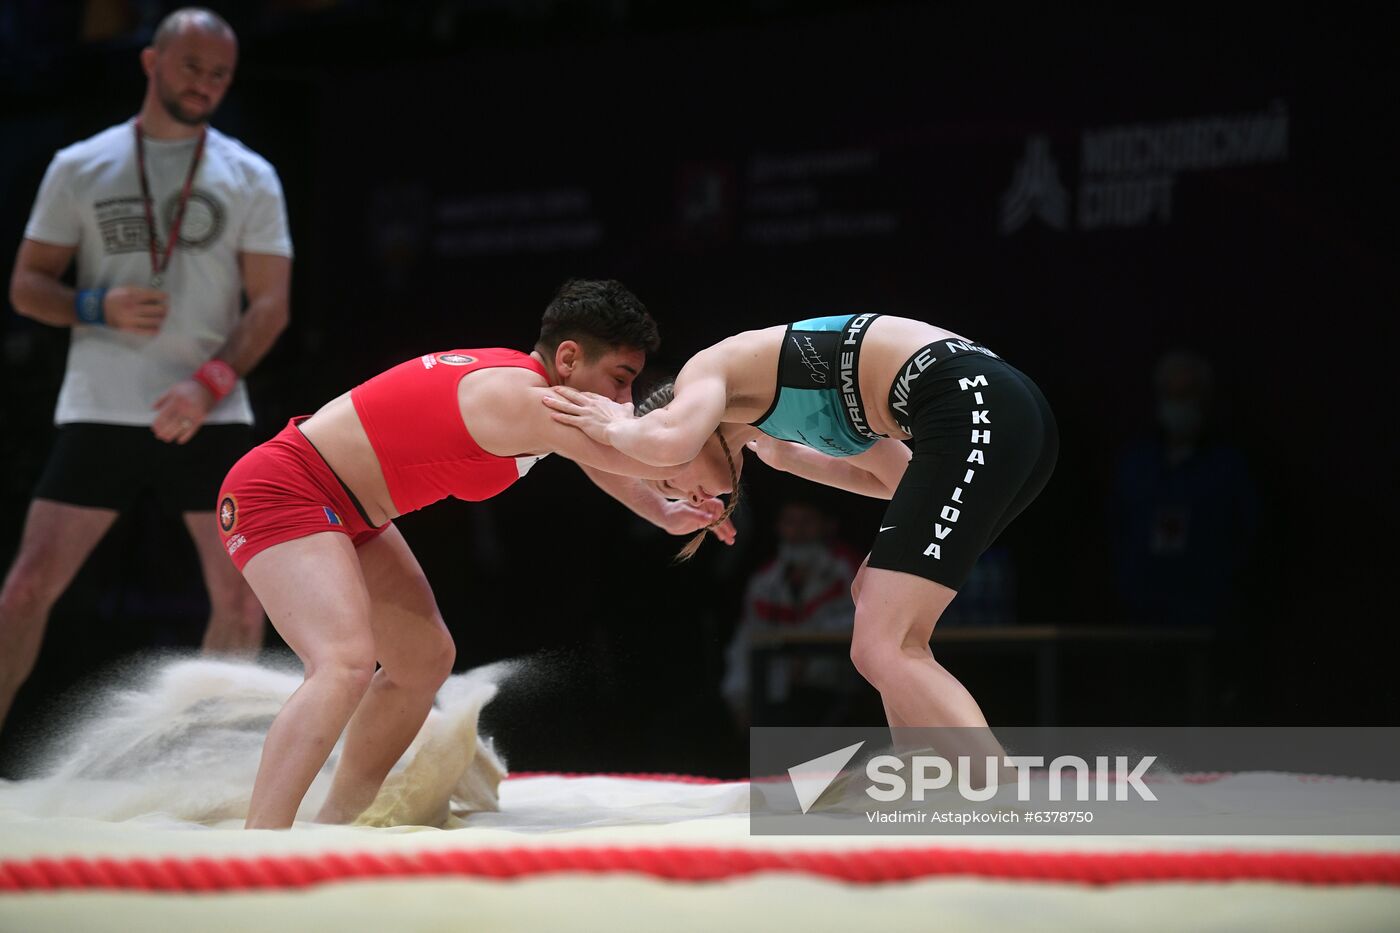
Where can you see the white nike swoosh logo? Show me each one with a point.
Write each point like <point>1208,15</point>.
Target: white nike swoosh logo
<point>886,527</point>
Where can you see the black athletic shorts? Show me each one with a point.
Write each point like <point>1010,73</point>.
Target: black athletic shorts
<point>985,443</point>
<point>110,466</point>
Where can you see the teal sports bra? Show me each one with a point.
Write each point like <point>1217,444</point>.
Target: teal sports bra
<point>817,400</point>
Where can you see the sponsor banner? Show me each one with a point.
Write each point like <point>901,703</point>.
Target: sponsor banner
<point>789,198</point>
<point>537,221</point>
<point>1128,173</point>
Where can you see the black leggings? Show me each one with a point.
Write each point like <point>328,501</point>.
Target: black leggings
<point>985,444</point>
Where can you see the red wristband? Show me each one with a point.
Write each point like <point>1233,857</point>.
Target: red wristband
<point>218,377</point>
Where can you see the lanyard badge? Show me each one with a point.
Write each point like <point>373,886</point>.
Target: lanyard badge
<point>160,259</point>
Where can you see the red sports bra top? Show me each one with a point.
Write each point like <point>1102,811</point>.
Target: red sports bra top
<point>425,451</point>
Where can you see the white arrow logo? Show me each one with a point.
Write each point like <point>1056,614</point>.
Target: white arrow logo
<point>810,778</point>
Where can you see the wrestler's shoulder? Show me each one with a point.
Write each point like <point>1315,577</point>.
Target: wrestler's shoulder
<point>739,350</point>
<point>501,385</point>
<point>756,337</point>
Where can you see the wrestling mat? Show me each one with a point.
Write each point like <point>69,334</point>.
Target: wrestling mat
<point>135,823</point>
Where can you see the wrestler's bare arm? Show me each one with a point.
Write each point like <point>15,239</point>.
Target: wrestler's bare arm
<point>886,460</point>
<point>670,436</point>
<point>504,411</point>
<point>675,516</point>
<point>875,473</point>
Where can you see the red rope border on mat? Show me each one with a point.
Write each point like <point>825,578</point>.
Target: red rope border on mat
<point>871,866</point>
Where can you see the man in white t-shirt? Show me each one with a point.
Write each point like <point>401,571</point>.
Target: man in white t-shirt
<point>172,223</point>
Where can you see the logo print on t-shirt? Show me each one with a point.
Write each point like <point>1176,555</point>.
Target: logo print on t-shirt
<point>228,513</point>
<point>456,359</point>
<point>204,219</point>
<point>122,223</point>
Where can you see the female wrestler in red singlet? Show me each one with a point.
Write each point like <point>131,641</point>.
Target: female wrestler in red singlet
<point>307,517</point>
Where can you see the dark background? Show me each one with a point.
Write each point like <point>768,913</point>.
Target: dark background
<point>745,163</point>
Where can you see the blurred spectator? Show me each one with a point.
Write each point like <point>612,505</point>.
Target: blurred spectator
<point>806,588</point>
<point>1183,508</point>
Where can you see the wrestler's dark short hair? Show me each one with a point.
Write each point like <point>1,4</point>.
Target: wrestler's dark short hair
<point>600,314</point>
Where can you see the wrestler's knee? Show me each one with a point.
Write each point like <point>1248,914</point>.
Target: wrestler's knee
<point>874,654</point>
<point>349,664</point>
<point>439,653</point>
<point>426,662</point>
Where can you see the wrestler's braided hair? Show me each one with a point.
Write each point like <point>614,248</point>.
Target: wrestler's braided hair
<point>660,397</point>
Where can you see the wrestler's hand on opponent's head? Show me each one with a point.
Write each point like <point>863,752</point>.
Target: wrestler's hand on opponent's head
<point>681,517</point>
<point>590,413</point>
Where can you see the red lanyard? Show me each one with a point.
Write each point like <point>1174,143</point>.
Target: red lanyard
<point>159,262</point>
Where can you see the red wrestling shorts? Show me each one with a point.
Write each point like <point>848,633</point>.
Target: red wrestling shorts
<point>282,490</point>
